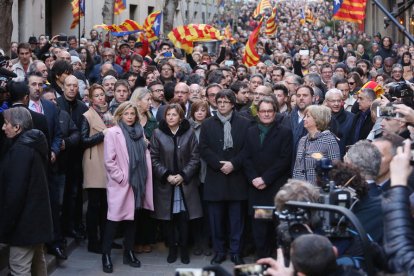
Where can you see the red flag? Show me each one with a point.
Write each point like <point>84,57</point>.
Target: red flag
<point>250,56</point>
<point>119,6</point>
<point>228,35</point>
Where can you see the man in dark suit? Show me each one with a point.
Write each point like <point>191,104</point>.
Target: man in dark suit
<point>267,167</point>
<point>39,105</point>
<point>72,202</point>
<point>222,140</point>
<point>362,124</point>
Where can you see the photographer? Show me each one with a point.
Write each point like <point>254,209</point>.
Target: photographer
<point>398,222</point>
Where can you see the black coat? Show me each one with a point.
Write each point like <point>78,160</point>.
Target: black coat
<point>218,186</point>
<point>71,137</point>
<point>270,160</point>
<point>398,229</point>
<point>25,213</point>
<point>365,128</point>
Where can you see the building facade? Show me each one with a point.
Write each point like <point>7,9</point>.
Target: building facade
<point>51,17</point>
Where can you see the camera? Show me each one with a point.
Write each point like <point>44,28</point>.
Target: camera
<point>400,90</point>
<point>387,112</point>
<point>250,269</point>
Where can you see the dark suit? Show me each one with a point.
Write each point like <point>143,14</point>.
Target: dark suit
<point>364,129</point>
<point>271,161</point>
<point>52,117</point>
<point>344,120</point>
<point>224,193</point>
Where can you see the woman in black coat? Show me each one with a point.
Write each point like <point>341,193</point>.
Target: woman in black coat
<point>267,167</point>
<point>176,162</point>
<point>25,214</point>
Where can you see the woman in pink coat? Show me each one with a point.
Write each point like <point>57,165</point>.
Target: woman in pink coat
<point>126,165</point>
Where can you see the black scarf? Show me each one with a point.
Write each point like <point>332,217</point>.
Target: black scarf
<point>134,138</point>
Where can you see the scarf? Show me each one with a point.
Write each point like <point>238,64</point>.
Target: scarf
<point>104,113</point>
<point>253,110</point>
<point>228,139</point>
<point>134,138</point>
<point>113,105</point>
<point>263,130</point>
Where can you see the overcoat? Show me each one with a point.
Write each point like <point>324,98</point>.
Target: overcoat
<point>120,196</point>
<point>182,149</point>
<point>219,186</point>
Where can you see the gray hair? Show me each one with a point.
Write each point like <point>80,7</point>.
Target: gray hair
<point>33,67</point>
<point>315,78</point>
<point>19,116</point>
<point>257,75</point>
<point>107,78</point>
<point>375,58</point>
<point>332,92</point>
<point>296,79</point>
<point>366,157</point>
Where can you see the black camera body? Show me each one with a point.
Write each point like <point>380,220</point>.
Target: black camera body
<point>400,90</point>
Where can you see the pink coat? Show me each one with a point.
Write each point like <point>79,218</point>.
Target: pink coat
<point>120,196</point>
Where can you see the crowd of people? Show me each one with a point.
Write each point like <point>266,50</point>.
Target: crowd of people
<point>175,147</point>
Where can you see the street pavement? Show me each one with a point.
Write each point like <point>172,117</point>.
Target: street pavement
<point>81,262</point>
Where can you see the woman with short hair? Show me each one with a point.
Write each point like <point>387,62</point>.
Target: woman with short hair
<point>175,161</point>
<point>318,143</point>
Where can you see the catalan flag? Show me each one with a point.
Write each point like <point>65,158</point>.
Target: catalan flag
<point>349,10</point>
<point>228,35</point>
<point>127,27</point>
<point>309,16</point>
<point>183,36</point>
<point>119,6</point>
<point>250,56</point>
<point>263,4</point>
<point>78,10</point>
<point>271,24</point>
<point>152,25</point>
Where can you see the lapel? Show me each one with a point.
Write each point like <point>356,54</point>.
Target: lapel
<point>99,125</point>
<point>122,143</point>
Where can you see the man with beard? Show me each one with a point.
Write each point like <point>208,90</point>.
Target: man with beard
<point>157,93</point>
<point>241,72</point>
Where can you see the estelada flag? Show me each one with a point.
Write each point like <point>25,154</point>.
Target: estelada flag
<point>271,24</point>
<point>152,25</point>
<point>250,56</point>
<point>119,6</point>
<point>263,4</point>
<point>349,10</point>
<point>78,11</point>
<point>183,36</point>
<point>127,27</point>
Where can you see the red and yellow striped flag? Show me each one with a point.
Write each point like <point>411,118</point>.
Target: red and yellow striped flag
<point>271,24</point>
<point>349,10</point>
<point>126,27</point>
<point>183,36</point>
<point>228,35</point>
<point>76,13</point>
<point>119,6</point>
<point>263,4</point>
<point>250,56</point>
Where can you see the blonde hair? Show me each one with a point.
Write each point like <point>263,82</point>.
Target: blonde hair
<point>138,95</point>
<point>321,114</point>
<point>121,109</point>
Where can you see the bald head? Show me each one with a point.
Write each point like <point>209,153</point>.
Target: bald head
<point>181,92</point>
<point>260,92</point>
<point>70,88</point>
<point>64,55</point>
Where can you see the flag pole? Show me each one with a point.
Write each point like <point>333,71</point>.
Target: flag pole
<point>79,23</point>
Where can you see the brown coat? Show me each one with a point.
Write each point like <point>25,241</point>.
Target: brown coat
<point>94,172</point>
<point>185,146</point>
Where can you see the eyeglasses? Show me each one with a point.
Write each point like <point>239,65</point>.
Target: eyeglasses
<point>223,102</point>
<point>268,111</point>
<point>351,83</point>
